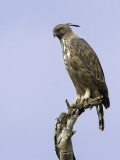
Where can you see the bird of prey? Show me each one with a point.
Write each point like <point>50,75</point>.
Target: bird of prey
<point>83,67</point>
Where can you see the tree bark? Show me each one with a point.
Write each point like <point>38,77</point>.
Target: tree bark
<point>64,127</point>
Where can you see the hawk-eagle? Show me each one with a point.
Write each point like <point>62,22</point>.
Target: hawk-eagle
<point>83,67</point>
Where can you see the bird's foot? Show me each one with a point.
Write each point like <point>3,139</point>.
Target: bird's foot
<point>82,100</point>
<point>79,101</point>
<point>73,105</point>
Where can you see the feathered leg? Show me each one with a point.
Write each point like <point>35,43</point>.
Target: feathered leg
<point>100,113</point>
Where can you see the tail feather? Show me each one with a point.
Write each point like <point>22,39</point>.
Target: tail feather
<point>100,113</point>
<point>106,101</point>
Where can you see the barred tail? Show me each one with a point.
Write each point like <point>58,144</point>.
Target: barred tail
<point>100,116</point>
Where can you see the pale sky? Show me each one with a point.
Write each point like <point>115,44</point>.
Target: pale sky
<point>34,83</point>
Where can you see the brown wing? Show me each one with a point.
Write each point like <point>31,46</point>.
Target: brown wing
<point>92,65</point>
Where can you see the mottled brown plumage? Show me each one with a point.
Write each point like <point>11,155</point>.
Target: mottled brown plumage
<point>83,67</point>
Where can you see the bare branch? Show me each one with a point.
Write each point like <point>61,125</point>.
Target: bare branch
<point>64,127</point>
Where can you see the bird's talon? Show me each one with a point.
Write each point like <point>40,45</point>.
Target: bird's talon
<point>77,101</point>
<point>73,105</point>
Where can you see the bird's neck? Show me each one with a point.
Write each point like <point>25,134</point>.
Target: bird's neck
<point>68,35</point>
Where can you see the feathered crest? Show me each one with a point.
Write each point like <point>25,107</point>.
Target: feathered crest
<point>70,24</point>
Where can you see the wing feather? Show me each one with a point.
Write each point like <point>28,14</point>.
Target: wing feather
<point>92,65</point>
<point>89,58</point>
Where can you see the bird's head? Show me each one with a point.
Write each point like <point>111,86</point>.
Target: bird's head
<point>61,29</point>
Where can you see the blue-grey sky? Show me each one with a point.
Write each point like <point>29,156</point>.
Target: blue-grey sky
<point>34,83</point>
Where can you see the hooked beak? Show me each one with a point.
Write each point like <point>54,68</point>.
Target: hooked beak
<point>54,34</point>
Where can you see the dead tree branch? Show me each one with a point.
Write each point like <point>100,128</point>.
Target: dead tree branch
<point>64,127</point>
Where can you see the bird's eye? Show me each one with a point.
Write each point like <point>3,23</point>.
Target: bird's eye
<point>59,29</point>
